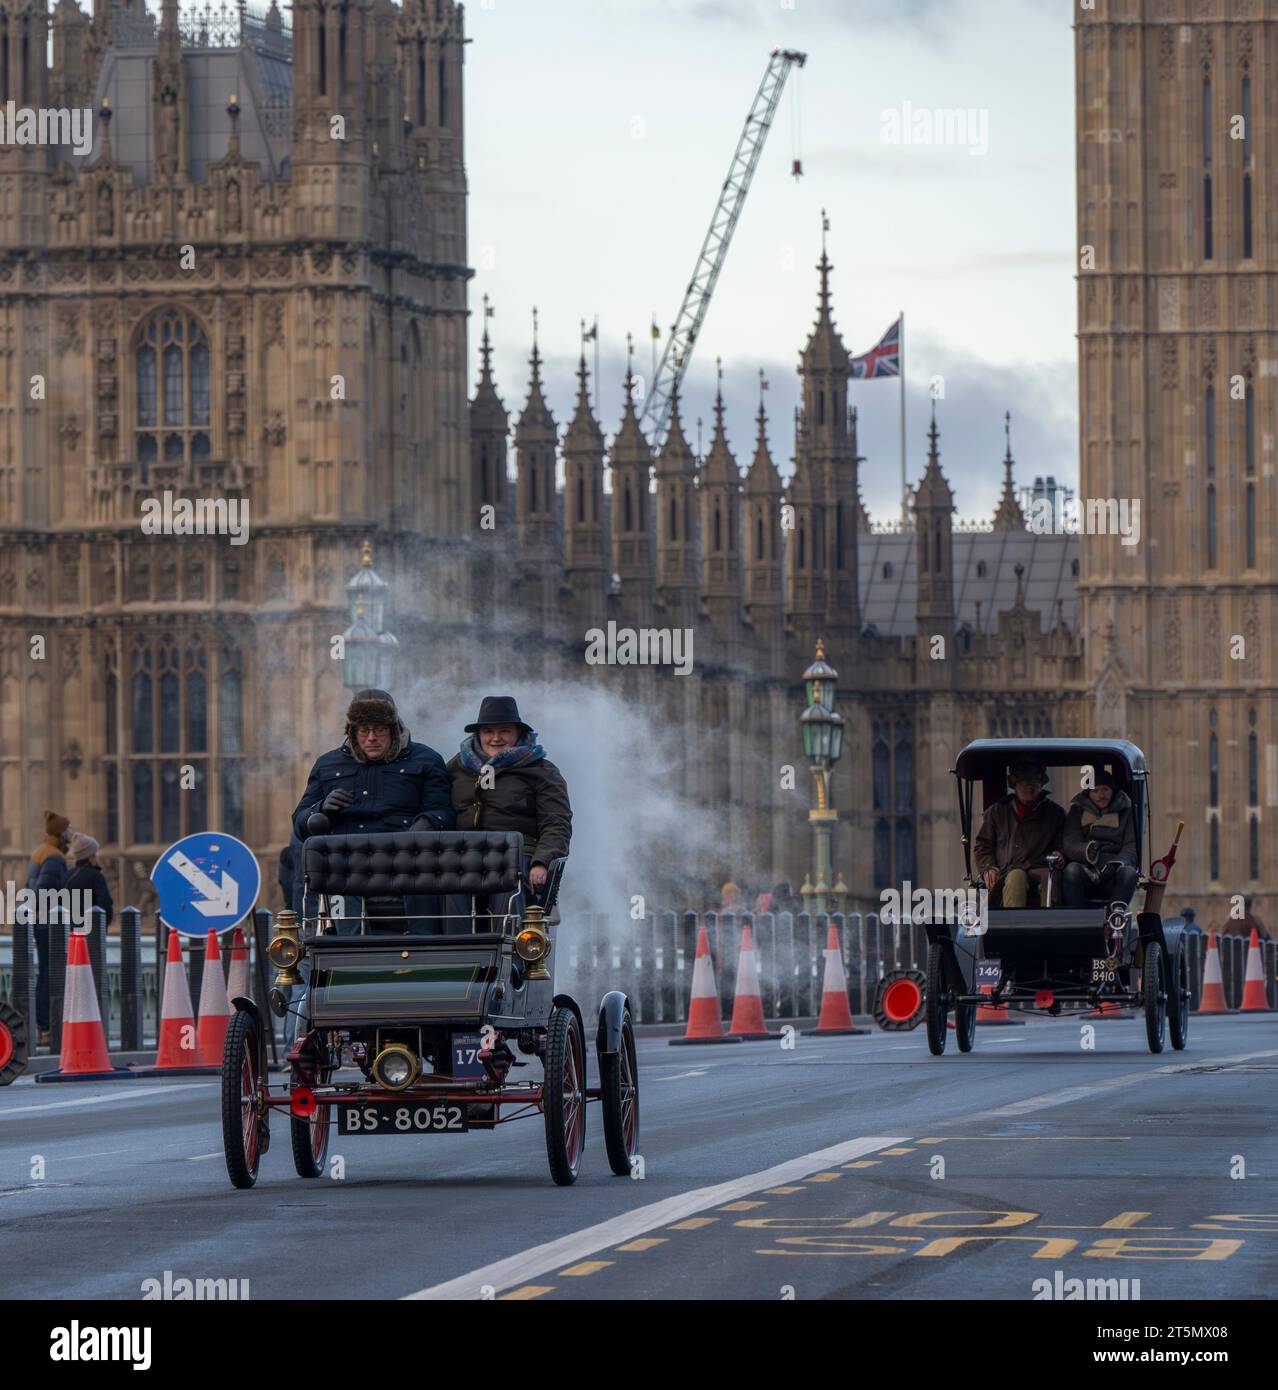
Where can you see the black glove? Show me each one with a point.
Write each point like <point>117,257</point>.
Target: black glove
<point>317,823</point>
<point>337,800</point>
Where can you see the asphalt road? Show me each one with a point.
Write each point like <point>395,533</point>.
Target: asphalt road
<point>844,1168</point>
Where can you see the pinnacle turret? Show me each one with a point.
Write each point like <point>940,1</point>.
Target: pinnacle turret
<point>1009,516</point>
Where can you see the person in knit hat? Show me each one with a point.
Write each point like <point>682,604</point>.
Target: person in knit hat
<point>86,875</point>
<point>377,780</point>
<point>47,871</point>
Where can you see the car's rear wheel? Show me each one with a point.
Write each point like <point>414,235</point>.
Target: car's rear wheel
<point>310,1138</point>
<point>1153,987</point>
<point>619,1082</point>
<point>934,1000</point>
<point>1178,1000</point>
<point>244,1118</point>
<point>965,1026</point>
<point>13,1044</point>
<point>564,1096</point>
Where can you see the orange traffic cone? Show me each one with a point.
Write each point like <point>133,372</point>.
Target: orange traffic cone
<point>1212,1000</point>
<point>748,1022</point>
<point>1253,1000</point>
<point>996,1013</point>
<point>836,1013</point>
<point>215,1006</point>
<point>84,1046</point>
<point>237,982</point>
<point>704,1022</point>
<point>177,1054</point>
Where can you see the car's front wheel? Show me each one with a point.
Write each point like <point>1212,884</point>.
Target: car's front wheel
<point>1178,1000</point>
<point>1153,987</point>
<point>934,1000</point>
<point>564,1095</point>
<point>244,1117</point>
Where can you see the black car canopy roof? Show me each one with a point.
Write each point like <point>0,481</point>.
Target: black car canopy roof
<point>987,759</point>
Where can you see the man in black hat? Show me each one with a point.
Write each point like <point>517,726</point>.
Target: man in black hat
<point>377,780</point>
<point>502,780</point>
<point>1018,834</point>
<point>1100,844</point>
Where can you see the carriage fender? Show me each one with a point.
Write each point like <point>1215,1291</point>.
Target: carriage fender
<point>566,1001</point>
<point>247,1006</point>
<point>612,1010</point>
<point>1168,932</point>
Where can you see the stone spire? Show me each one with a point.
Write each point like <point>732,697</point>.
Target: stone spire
<point>489,427</point>
<point>934,532</point>
<point>676,529</point>
<point>720,509</point>
<point>536,438</point>
<point>631,460</point>
<point>764,592</point>
<point>1009,516</point>
<point>583,451</point>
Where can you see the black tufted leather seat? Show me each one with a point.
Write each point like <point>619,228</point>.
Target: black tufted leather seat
<point>412,864</point>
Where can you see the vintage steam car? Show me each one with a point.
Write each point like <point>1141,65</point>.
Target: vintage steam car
<point>429,1011</point>
<point>1052,959</point>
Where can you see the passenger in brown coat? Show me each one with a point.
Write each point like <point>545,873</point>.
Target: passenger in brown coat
<point>1018,833</point>
<point>502,780</point>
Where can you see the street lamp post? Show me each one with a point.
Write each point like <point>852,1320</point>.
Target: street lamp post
<point>369,660</point>
<point>822,744</point>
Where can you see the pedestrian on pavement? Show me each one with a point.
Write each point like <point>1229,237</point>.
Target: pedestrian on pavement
<point>1017,834</point>
<point>1242,926</point>
<point>1099,844</point>
<point>1189,917</point>
<point>87,875</point>
<point>47,871</point>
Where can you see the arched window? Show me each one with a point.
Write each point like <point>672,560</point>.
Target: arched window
<point>1253,762</point>
<point>1209,467</point>
<point>629,520</point>
<point>1246,161</point>
<point>1213,765</point>
<point>421,81</point>
<point>1206,118</point>
<point>581,499</point>
<point>718,528</point>
<point>674,523</point>
<point>1249,458</point>
<point>758,537</point>
<point>171,359</point>
<point>443,94</point>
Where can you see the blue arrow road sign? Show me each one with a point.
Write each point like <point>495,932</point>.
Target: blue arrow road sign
<point>206,880</point>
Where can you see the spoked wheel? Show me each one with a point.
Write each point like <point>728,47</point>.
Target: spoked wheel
<point>1178,1001</point>
<point>565,1096</point>
<point>965,1026</point>
<point>310,1137</point>
<point>1154,989</point>
<point>244,1117</point>
<point>619,1082</point>
<point>934,1000</point>
<point>13,1044</point>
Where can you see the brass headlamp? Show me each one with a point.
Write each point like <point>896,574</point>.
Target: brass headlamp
<point>285,949</point>
<point>532,943</point>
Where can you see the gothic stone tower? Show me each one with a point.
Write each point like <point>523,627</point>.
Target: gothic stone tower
<point>1178,347</point>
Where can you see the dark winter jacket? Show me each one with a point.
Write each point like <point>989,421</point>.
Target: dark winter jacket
<point>532,799</point>
<point>48,867</point>
<point>88,876</point>
<point>1112,831</point>
<point>1006,841</point>
<point>389,795</point>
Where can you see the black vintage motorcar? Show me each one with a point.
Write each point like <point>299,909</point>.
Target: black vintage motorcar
<point>430,1023</point>
<point>1051,959</point>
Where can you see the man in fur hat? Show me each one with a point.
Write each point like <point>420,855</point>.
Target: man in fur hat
<point>47,870</point>
<point>1018,833</point>
<point>1100,844</point>
<point>378,780</point>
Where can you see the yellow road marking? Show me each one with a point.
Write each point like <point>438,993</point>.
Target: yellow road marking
<point>894,1152</point>
<point>528,1291</point>
<point>694,1223</point>
<point>742,1206</point>
<point>783,1191</point>
<point>586,1267</point>
<point>862,1163</point>
<point>932,1139</point>
<point>643,1243</point>
<point>1124,1221</point>
<point>824,1177</point>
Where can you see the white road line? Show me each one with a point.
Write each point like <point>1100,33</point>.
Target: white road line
<point>518,1269</point>
<point>115,1098</point>
<point>200,1158</point>
<point>680,1076</point>
<point>1073,1093</point>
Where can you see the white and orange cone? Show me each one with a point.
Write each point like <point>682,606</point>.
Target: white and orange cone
<point>237,982</point>
<point>748,1022</point>
<point>836,1012</point>
<point>177,1053</point>
<point>705,1025</point>
<point>1254,1000</point>
<point>84,1045</point>
<point>215,1006</point>
<point>1212,999</point>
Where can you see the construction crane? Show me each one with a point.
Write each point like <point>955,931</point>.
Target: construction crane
<point>714,250</point>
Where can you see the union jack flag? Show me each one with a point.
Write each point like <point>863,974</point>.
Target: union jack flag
<point>883,359</point>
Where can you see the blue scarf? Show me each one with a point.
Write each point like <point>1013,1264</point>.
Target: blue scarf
<point>526,751</point>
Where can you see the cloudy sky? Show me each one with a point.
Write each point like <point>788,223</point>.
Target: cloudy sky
<point>600,132</point>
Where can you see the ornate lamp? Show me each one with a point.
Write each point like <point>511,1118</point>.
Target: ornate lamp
<point>822,728</point>
<point>370,651</point>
